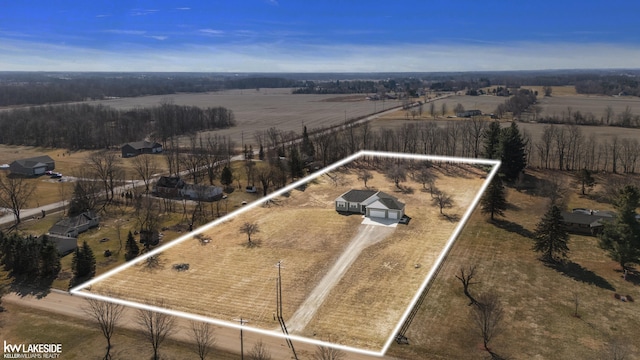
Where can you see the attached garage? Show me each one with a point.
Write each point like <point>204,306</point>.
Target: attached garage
<point>394,214</point>
<point>377,213</point>
<point>375,204</point>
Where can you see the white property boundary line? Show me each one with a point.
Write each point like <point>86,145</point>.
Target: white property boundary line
<point>495,163</point>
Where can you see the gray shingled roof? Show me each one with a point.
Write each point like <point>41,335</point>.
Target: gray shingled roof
<point>584,219</point>
<point>358,195</point>
<point>390,202</point>
<point>35,161</point>
<point>138,145</point>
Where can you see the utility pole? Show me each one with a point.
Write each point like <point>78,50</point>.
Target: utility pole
<point>242,322</point>
<point>279,310</point>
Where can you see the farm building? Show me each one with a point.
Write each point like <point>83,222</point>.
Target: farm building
<point>32,166</point>
<point>75,225</point>
<point>140,147</point>
<point>371,203</point>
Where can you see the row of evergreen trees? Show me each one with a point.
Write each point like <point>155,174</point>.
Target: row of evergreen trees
<point>29,256</point>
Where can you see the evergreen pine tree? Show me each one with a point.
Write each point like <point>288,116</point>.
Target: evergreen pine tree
<point>551,236</point>
<point>493,201</point>
<point>226,177</point>
<point>83,263</point>
<point>261,153</point>
<point>295,164</point>
<point>307,148</point>
<point>621,237</point>
<point>131,248</point>
<point>512,152</point>
<point>49,258</point>
<point>492,141</point>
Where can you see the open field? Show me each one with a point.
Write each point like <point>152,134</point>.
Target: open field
<point>257,111</point>
<point>226,279</point>
<point>538,300</point>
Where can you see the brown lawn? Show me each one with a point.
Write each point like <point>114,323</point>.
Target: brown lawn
<point>227,280</point>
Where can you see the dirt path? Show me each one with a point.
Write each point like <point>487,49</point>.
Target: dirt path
<point>366,236</point>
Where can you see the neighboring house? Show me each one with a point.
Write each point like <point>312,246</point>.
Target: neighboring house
<point>586,221</point>
<point>65,244</point>
<point>33,166</point>
<point>140,147</point>
<point>71,227</point>
<point>469,113</point>
<point>169,186</point>
<point>201,192</point>
<point>371,203</point>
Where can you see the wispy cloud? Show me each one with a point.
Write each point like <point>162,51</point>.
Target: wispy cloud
<point>125,32</point>
<point>183,8</point>
<point>142,12</point>
<point>273,2</point>
<point>102,15</point>
<point>211,32</point>
<point>157,37</point>
<point>283,57</point>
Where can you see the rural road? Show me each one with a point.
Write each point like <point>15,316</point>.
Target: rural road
<point>367,235</point>
<point>227,339</point>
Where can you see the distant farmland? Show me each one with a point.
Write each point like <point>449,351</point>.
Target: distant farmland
<point>260,110</point>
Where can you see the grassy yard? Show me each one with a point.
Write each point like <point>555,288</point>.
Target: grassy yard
<point>83,340</point>
<point>538,300</point>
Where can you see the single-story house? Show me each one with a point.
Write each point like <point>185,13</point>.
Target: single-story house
<point>71,227</point>
<point>33,166</point>
<point>585,222</point>
<point>140,147</point>
<point>169,186</point>
<point>201,192</point>
<point>371,203</point>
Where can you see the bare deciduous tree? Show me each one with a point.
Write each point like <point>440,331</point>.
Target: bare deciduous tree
<point>259,352</point>
<point>487,316</point>
<point>146,166</point>
<point>203,334</point>
<point>156,326</point>
<point>105,165</point>
<point>14,194</point>
<point>442,200</point>
<point>396,173</point>
<point>249,229</point>
<point>365,176</point>
<point>328,353</point>
<point>465,276</point>
<point>106,314</point>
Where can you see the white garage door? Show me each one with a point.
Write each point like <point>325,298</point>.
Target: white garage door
<point>377,213</point>
<point>394,214</point>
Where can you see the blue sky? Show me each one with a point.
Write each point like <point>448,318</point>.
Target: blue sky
<point>318,36</point>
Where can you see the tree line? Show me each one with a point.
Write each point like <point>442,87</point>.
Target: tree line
<point>20,88</point>
<point>84,126</point>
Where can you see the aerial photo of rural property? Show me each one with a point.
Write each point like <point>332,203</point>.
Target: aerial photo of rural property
<point>270,179</point>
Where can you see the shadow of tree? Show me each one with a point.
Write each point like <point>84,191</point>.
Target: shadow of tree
<point>513,227</point>
<point>633,276</point>
<point>32,287</point>
<point>452,217</point>
<point>579,273</point>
